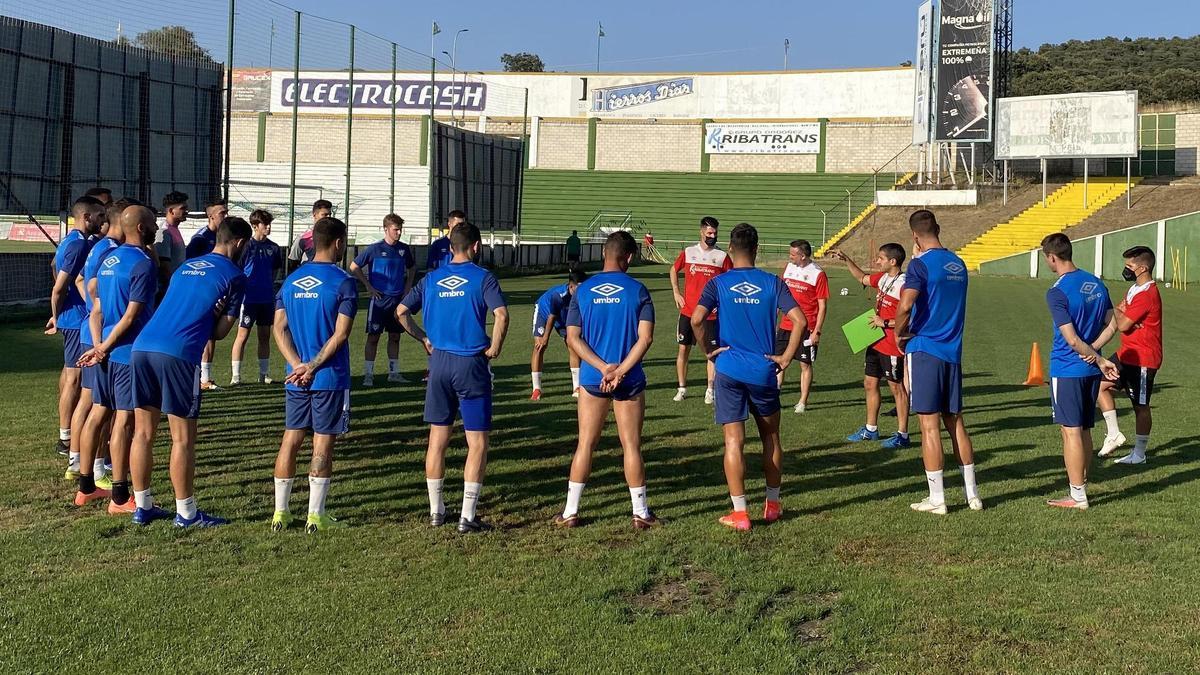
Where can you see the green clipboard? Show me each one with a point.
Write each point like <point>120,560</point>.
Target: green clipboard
<point>859,332</point>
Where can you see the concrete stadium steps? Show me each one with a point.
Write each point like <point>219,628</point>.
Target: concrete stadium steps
<point>782,206</point>
<point>863,215</point>
<point>1064,208</point>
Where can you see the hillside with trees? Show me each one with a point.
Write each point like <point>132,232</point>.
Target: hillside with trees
<point>1161,69</point>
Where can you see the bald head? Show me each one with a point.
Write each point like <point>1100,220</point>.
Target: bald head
<point>139,225</point>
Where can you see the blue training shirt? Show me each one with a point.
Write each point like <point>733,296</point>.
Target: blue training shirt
<point>748,301</point>
<point>313,297</point>
<point>184,320</point>
<point>439,254</point>
<point>389,265</point>
<point>555,301</point>
<point>69,257</point>
<point>126,275</point>
<point>202,243</point>
<point>940,311</point>
<point>260,260</point>
<point>1078,298</point>
<point>456,299</point>
<point>607,309</point>
<point>91,266</point>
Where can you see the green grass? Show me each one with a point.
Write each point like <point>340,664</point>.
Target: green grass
<point>851,579</point>
<point>9,246</point>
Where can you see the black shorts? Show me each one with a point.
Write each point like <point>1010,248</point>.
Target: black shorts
<point>572,257</point>
<point>884,367</point>
<point>804,354</point>
<point>1136,381</point>
<point>685,336</point>
<point>381,316</point>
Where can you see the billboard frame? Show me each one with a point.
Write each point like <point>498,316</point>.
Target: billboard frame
<point>1080,94</point>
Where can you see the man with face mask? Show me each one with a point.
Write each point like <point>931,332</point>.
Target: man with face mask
<point>1139,318</point>
<point>699,263</point>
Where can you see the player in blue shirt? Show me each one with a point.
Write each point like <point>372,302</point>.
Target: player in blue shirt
<point>1080,311</point>
<point>201,304</point>
<point>314,313</point>
<point>929,325</point>
<point>440,252</point>
<point>748,301</point>
<point>67,315</point>
<point>610,324</point>
<point>550,314</point>
<point>456,299</point>
<point>124,290</point>
<point>388,276</point>
<point>261,260</point>
<point>202,243</point>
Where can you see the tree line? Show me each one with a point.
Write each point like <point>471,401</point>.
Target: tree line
<point>1161,69</point>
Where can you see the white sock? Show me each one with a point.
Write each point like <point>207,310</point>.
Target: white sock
<point>369,368</point>
<point>739,502</point>
<point>968,474</point>
<point>903,434</point>
<point>237,370</point>
<point>537,380</point>
<point>392,364</point>
<point>1140,443</point>
<point>682,390</point>
<point>318,490</point>
<point>1079,492</point>
<point>937,494</point>
<point>574,378</point>
<point>872,427</point>
<point>143,499</point>
<point>73,461</point>
<point>264,365</point>
<point>637,495</point>
<point>186,507</point>
<point>773,493</point>
<point>470,499</point>
<point>1110,421</point>
<point>574,493</point>
<point>98,468</point>
<point>205,373</point>
<point>436,505</point>
<point>64,434</point>
<point>283,494</point>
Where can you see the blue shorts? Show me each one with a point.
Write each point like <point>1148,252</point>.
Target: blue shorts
<point>324,412</point>
<point>102,388</point>
<point>540,312</point>
<point>627,390</point>
<point>1073,400</point>
<point>261,313</point>
<point>87,379</point>
<point>120,381</point>
<point>459,384</point>
<point>735,400</point>
<point>72,347</point>
<point>381,316</point>
<point>170,384</point>
<point>934,385</point>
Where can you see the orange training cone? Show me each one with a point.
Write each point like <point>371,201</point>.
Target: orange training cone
<point>1036,377</point>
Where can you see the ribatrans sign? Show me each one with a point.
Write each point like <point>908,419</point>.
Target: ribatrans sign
<point>963,94</point>
<point>792,138</point>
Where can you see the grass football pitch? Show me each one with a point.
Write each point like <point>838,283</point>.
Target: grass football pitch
<point>849,580</point>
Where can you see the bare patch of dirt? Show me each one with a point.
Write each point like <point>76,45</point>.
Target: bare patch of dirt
<point>695,589</point>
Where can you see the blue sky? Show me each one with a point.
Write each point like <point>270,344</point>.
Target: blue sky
<point>707,35</point>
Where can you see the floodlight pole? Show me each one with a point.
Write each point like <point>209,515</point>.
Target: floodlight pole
<point>392,163</point>
<point>349,130</point>
<point>295,133</point>
<point>228,100</point>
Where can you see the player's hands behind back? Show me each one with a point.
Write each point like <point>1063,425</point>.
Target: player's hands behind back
<point>610,377</point>
<point>301,375</point>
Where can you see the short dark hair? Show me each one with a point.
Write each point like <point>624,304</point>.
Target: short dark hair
<point>924,224</point>
<point>98,191</point>
<point>619,245</point>
<point>709,221</point>
<point>1057,244</point>
<point>393,219</point>
<point>574,232</point>
<point>577,277</point>
<point>464,237</point>
<point>327,231</point>
<point>893,251</point>
<point>261,217</point>
<point>174,198</point>
<point>217,201</point>
<point>113,211</point>
<point>744,238</point>
<point>322,204</point>
<point>456,213</point>
<point>803,245</point>
<point>233,228</point>
<point>85,204</point>
<point>1142,255</point>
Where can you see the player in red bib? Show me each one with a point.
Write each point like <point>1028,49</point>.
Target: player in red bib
<point>699,263</point>
<point>810,287</point>
<point>1139,319</point>
<point>885,360</point>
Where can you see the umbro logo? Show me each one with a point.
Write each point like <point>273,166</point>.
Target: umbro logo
<point>745,288</point>
<point>453,286</point>
<point>200,265</point>
<point>607,290</point>
<point>307,283</point>
<point>953,268</point>
<point>111,260</point>
<point>1088,287</point>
